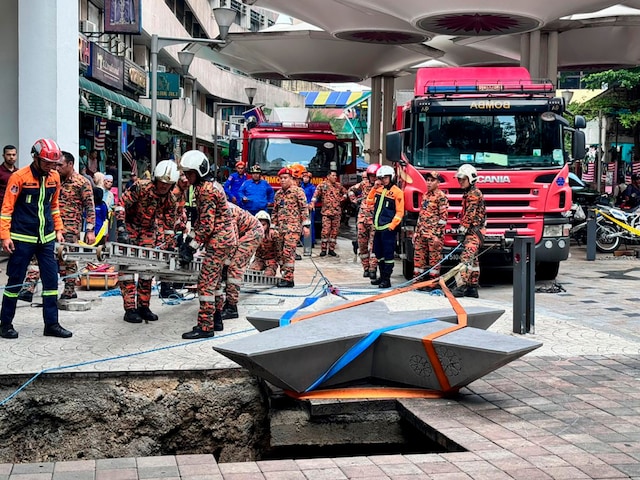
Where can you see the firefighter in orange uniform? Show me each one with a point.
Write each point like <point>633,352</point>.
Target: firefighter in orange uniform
<point>146,217</point>
<point>331,193</point>
<point>30,224</point>
<point>250,235</point>
<point>432,220</point>
<point>290,218</point>
<point>214,230</point>
<point>266,257</point>
<point>358,195</point>
<point>473,220</point>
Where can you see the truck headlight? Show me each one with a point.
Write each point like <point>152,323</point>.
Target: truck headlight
<point>554,231</point>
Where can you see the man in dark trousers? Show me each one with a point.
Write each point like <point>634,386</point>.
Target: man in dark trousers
<point>30,224</point>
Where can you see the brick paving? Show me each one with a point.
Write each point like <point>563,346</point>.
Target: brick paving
<point>569,410</point>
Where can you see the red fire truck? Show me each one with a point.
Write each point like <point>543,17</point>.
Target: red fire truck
<point>511,129</point>
<point>313,145</point>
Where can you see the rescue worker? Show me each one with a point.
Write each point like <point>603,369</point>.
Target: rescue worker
<point>357,195</point>
<point>266,257</point>
<point>388,209</point>
<point>146,217</point>
<point>250,235</point>
<point>473,219</point>
<point>331,193</point>
<point>234,182</point>
<point>256,193</point>
<point>30,224</point>
<point>290,218</point>
<point>297,171</point>
<point>428,237</point>
<point>215,231</point>
<point>76,204</point>
<point>309,190</point>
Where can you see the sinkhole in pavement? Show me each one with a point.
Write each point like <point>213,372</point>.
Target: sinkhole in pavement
<point>227,413</point>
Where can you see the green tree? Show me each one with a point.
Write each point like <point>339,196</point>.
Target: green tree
<point>621,100</point>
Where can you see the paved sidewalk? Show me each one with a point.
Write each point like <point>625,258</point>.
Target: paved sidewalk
<point>570,409</point>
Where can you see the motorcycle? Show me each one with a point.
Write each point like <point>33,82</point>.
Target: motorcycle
<point>613,225</point>
<point>578,217</point>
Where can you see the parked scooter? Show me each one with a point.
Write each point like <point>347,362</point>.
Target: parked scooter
<point>578,218</point>
<point>613,225</point>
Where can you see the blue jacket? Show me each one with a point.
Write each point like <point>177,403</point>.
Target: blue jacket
<point>232,186</point>
<point>258,194</point>
<point>309,190</point>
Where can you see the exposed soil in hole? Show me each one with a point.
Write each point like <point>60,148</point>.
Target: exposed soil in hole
<point>71,417</point>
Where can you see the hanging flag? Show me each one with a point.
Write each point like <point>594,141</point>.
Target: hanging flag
<point>100,134</point>
<point>255,115</point>
<point>133,163</point>
<point>589,176</point>
<point>635,168</point>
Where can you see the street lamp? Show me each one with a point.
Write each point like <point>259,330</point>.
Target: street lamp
<point>186,58</point>
<point>224,17</point>
<point>251,94</point>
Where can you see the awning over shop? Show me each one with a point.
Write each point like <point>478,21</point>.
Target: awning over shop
<point>130,108</point>
<point>334,99</point>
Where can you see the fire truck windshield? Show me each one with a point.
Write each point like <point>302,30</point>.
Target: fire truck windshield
<point>274,153</point>
<point>510,141</point>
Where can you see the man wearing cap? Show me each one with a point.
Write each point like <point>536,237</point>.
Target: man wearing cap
<point>290,218</point>
<point>255,194</point>
<point>234,182</point>
<point>631,195</point>
<point>427,241</point>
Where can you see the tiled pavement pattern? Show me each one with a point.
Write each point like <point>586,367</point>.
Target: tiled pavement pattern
<point>569,410</point>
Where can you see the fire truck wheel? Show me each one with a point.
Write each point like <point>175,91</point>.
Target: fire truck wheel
<point>547,270</point>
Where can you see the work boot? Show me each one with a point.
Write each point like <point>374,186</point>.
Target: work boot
<point>147,314</point>
<point>384,282</point>
<point>25,296</point>
<point>229,311</point>
<point>68,295</point>
<point>167,291</point>
<point>7,331</point>
<point>298,257</point>
<point>365,274</point>
<point>332,253</point>
<point>285,283</point>
<point>218,325</point>
<point>198,332</point>
<point>375,281</point>
<point>56,330</point>
<point>471,291</point>
<point>132,316</point>
<point>459,291</point>
<point>373,274</point>
<point>323,253</point>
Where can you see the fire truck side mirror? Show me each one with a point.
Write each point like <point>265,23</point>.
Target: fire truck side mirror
<point>578,145</point>
<point>394,147</point>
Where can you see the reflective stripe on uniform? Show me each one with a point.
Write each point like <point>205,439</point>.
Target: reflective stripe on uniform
<point>50,293</point>
<point>207,299</point>
<point>126,276</point>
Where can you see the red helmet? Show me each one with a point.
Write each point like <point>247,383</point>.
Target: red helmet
<point>373,169</point>
<point>285,171</point>
<point>240,164</point>
<point>46,149</point>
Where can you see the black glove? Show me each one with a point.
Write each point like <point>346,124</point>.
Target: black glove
<point>460,238</point>
<point>123,237</point>
<point>186,251</point>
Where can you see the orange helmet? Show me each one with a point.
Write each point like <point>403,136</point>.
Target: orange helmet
<point>297,170</point>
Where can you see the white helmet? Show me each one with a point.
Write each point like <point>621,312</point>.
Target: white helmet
<point>195,160</point>
<point>384,171</point>
<point>262,215</point>
<point>166,172</point>
<point>468,171</point>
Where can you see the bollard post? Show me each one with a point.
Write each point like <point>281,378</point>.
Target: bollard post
<point>591,234</point>
<point>524,282</point>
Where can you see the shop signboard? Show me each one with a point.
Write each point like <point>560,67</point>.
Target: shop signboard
<point>106,67</point>
<point>84,53</point>
<point>135,78</point>
<point>122,16</point>
<point>168,86</point>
